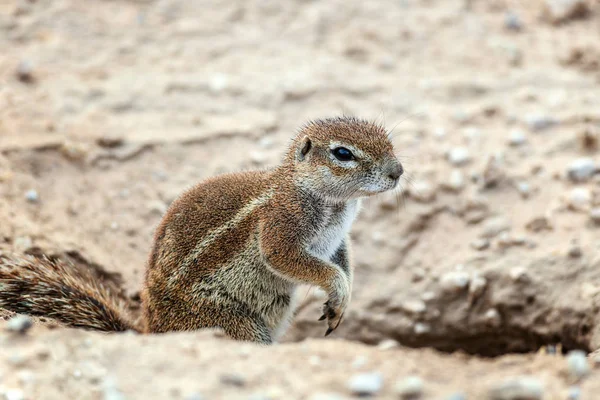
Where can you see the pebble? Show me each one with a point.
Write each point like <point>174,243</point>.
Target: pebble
<point>574,393</point>
<point>595,215</point>
<point>494,226</point>
<point>539,122</point>
<point>413,307</point>
<point>422,192</point>
<point>493,173</point>
<point>524,189</point>
<point>13,394</point>
<point>25,72</point>
<point>581,169</point>
<point>492,317</point>
<point>110,390</point>
<point>32,196</point>
<point>421,328</point>
<point>518,274</point>
<point>577,364</point>
<point>579,199</point>
<point>480,244</point>
<point>522,388</point>
<point>387,344</point>
<point>455,281</point>
<point>512,22</point>
<point>366,384</point>
<point>233,379</point>
<point>410,388</point>
<point>517,138</point>
<point>428,296</point>
<point>258,157</point>
<point>574,250</point>
<point>477,286</point>
<point>558,11</point>
<point>506,241</point>
<point>459,156</point>
<point>19,324</point>
<point>455,182</point>
<point>539,224</point>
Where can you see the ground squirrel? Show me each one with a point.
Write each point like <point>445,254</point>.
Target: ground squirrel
<point>229,252</point>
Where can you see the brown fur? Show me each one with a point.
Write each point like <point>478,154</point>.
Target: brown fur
<point>229,252</point>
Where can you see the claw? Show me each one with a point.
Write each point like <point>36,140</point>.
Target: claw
<point>329,330</point>
<point>322,317</point>
<point>339,321</point>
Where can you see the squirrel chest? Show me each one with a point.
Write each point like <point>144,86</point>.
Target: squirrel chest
<point>331,229</point>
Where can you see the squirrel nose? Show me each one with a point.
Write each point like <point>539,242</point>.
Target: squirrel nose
<point>396,172</point>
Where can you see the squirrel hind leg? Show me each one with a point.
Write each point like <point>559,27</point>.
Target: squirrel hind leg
<point>236,321</point>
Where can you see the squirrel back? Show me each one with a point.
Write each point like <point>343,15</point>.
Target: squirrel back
<point>45,288</point>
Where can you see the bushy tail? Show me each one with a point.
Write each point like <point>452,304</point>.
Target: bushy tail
<point>44,288</point>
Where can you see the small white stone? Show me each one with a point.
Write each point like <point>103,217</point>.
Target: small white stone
<point>524,189</point>
<point>32,196</point>
<point>477,286</point>
<point>265,142</point>
<point>494,226</point>
<point>387,344</point>
<point>422,328</point>
<point>574,393</point>
<point>455,281</point>
<point>517,137</point>
<point>577,363</point>
<point>579,199</point>
<point>422,192</point>
<point>557,11</point>
<point>492,317</point>
<point>512,22</point>
<point>518,274</point>
<point>258,157</point>
<point>19,324</point>
<point>428,296</point>
<point>366,384</point>
<point>539,122</point>
<point>218,83</point>
<point>581,169</point>
<point>14,394</point>
<point>410,388</point>
<point>459,156</point>
<point>455,182</point>
<point>480,244</point>
<point>414,306</point>
<point>314,360</point>
<point>517,388</point>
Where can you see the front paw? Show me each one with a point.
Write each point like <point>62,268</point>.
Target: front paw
<point>334,307</point>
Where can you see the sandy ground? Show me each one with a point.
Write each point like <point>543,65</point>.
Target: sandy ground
<point>109,109</point>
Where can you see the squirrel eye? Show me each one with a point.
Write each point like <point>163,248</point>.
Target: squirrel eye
<point>343,154</point>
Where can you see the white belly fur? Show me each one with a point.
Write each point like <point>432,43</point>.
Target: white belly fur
<point>332,234</point>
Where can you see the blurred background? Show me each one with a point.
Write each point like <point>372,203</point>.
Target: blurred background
<point>109,109</point>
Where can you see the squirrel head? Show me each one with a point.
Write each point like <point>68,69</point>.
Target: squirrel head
<point>344,158</point>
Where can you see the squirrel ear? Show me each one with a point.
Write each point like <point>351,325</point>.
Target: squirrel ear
<point>304,148</point>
